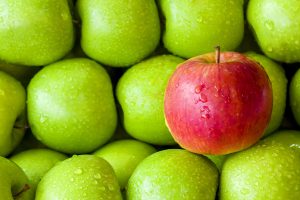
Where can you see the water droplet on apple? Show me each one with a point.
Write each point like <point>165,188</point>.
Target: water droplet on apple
<point>203,98</point>
<point>199,88</point>
<point>95,182</point>
<point>270,49</point>
<point>269,25</point>
<point>205,112</point>
<point>177,85</point>
<point>97,176</point>
<point>200,20</point>
<point>78,171</point>
<point>111,187</point>
<point>43,118</point>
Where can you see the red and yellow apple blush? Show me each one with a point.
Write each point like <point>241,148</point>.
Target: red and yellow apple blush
<point>218,103</point>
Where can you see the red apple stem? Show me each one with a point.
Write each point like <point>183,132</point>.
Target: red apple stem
<point>217,48</point>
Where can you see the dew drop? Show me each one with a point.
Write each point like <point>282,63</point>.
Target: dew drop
<point>269,25</point>
<point>43,118</point>
<point>203,98</point>
<point>270,49</point>
<point>97,176</point>
<point>111,187</point>
<point>78,171</point>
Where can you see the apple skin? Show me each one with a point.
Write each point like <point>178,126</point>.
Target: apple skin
<point>124,156</point>
<point>12,113</point>
<point>34,32</point>
<point>71,107</point>
<point>294,96</point>
<point>194,27</point>
<point>118,33</point>
<point>279,83</point>
<point>14,183</point>
<point>35,163</point>
<point>268,170</point>
<point>83,177</point>
<point>174,174</point>
<point>140,93</point>
<point>218,108</point>
<point>275,24</point>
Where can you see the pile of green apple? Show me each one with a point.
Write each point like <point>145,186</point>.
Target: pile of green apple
<point>127,100</point>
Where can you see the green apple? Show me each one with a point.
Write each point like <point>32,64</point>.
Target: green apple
<point>196,27</point>
<point>275,24</point>
<point>12,113</point>
<point>83,177</point>
<point>140,92</point>
<point>34,32</point>
<point>71,106</point>
<point>279,83</point>
<point>14,183</point>
<point>173,174</point>
<point>290,138</point>
<point>265,171</point>
<point>124,156</point>
<point>119,33</point>
<point>294,96</point>
<point>35,163</point>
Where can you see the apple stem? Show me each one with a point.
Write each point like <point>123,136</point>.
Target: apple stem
<point>217,48</point>
<point>24,189</point>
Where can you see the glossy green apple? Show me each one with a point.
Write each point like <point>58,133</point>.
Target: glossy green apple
<point>34,32</point>
<point>124,156</point>
<point>265,171</point>
<point>279,83</point>
<point>290,138</point>
<point>275,24</point>
<point>196,27</point>
<point>119,33</point>
<point>294,96</point>
<point>12,113</point>
<point>14,184</point>
<point>173,174</point>
<point>71,106</point>
<point>140,92</point>
<point>84,177</point>
<point>35,163</point>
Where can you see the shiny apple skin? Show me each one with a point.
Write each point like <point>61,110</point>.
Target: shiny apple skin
<point>218,108</point>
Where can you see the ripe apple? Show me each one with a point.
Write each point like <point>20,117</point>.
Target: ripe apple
<point>265,171</point>
<point>194,27</point>
<point>294,96</point>
<point>124,156</point>
<point>35,163</point>
<point>83,177</point>
<point>173,174</point>
<point>14,183</point>
<point>71,106</point>
<point>279,83</point>
<point>34,32</point>
<point>140,92</point>
<point>218,104</point>
<point>12,113</point>
<point>275,24</point>
<point>119,33</point>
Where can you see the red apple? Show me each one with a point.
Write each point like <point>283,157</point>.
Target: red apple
<point>218,103</point>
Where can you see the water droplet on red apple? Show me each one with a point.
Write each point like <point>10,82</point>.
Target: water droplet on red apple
<point>205,112</point>
<point>203,98</point>
<point>176,85</point>
<point>199,88</point>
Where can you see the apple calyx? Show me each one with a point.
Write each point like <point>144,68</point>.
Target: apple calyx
<point>24,189</point>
